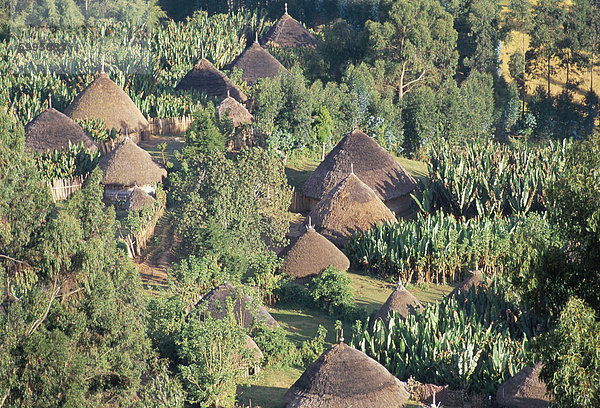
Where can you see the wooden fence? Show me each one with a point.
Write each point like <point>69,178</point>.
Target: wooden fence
<point>168,126</point>
<point>300,202</point>
<point>64,188</point>
<point>137,241</point>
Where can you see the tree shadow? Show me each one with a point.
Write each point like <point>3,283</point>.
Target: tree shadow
<point>260,396</point>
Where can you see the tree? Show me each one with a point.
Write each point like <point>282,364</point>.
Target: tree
<point>204,136</point>
<point>519,18</point>
<point>416,40</point>
<point>421,118</point>
<point>587,25</point>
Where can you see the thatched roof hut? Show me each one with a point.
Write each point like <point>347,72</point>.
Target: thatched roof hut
<point>524,390</point>
<point>475,279</point>
<point>288,32</point>
<point>205,77</point>
<point>103,99</point>
<point>370,162</point>
<point>53,130</point>
<point>256,63</point>
<point>237,112</point>
<point>129,165</point>
<point>349,207</point>
<point>311,254</point>
<point>401,301</point>
<point>345,377</point>
<point>138,199</point>
<point>246,311</point>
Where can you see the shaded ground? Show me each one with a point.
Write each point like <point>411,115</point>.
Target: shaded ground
<point>174,143</point>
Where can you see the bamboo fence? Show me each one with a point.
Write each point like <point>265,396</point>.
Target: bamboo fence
<point>300,202</point>
<point>64,188</point>
<point>168,126</point>
<point>137,241</point>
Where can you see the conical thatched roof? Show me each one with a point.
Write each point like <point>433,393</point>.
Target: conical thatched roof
<point>349,207</point>
<point>253,347</point>
<point>245,309</point>
<point>204,77</point>
<point>475,279</point>
<point>401,301</point>
<point>236,111</point>
<point>256,63</point>
<point>371,162</point>
<point>103,99</point>
<point>311,254</point>
<point>524,390</point>
<point>288,32</point>
<point>345,377</point>
<point>52,130</point>
<point>138,199</point>
<point>129,165</point>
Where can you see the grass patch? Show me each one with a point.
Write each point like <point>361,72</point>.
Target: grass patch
<point>268,387</point>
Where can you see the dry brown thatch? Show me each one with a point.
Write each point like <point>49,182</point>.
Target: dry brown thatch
<point>204,77</point>
<point>524,390</point>
<point>311,254</point>
<point>245,310</point>
<point>349,207</point>
<point>401,301</point>
<point>256,63</point>
<point>288,32</point>
<point>370,162</point>
<point>238,114</point>
<point>345,377</point>
<point>138,199</point>
<point>251,345</point>
<point>129,165</point>
<point>103,99</point>
<point>52,130</point>
<point>475,279</point>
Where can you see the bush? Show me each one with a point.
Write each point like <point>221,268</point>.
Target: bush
<point>332,291</point>
<point>277,349</point>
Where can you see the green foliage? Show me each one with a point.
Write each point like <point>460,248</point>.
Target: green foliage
<point>66,163</point>
<point>571,356</point>
<point>206,133</point>
<point>164,390</point>
<point>97,130</point>
<point>312,349</point>
<point>278,350</point>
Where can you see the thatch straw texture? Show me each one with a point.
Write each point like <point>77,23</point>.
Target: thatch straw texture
<point>311,254</point>
<point>475,279</point>
<point>349,207</point>
<point>129,165</point>
<point>402,302</point>
<point>103,99</point>
<point>238,114</point>
<point>205,77</point>
<point>138,200</point>
<point>344,377</point>
<point>254,349</point>
<point>52,130</point>
<point>370,162</point>
<point>256,63</point>
<point>288,32</point>
<point>245,310</point>
<point>524,390</point>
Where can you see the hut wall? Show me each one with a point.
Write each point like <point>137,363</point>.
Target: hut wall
<point>62,189</point>
<point>402,207</point>
<point>300,202</point>
<point>112,194</point>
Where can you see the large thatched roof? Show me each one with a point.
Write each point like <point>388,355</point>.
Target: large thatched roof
<point>52,130</point>
<point>524,390</point>
<point>204,77</point>
<point>349,207</point>
<point>138,199</point>
<point>238,114</point>
<point>401,301</point>
<point>311,254</point>
<point>103,99</point>
<point>475,278</point>
<point>371,163</point>
<point>129,165</point>
<point>288,32</point>
<point>345,377</point>
<point>256,63</point>
<point>245,309</point>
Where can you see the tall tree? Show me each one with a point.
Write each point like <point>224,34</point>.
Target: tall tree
<point>519,18</point>
<point>587,25</point>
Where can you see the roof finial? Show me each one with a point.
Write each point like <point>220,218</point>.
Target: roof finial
<point>102,71</point>
<point>286,8</point>
<point>351,168</point>
<point>310,226</point>
<point>50,101</point>
<point>341,339</point>
<point>256,38</point>
<point>228,93</point>
<point>400,285</point>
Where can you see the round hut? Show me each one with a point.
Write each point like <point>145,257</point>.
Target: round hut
<point>103,99</point>
<point>246,311</point>
<point>475,279</point>
<point>345,377</point>
<point>126,167</point>
<point>372,164</point>
<point>256,63</point>
<point>53,130</point>
<point>401,301</point>
<point>204,77</point>
<point>349,207</point>
<point>311,254</point>
<point>138,200</point>
<point>524,390</point>
<point>289,33</point>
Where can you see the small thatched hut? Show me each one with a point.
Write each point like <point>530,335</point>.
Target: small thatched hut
<point>53,130</point>
<point>524,390</point>
<point>401,301</point>
<point>237,112</point>
<point>138,199</point>
<point>126,167</point>
<point>204,77</point>
<point>103,99</point>
<point>256,63</point>
<point>246,311</point>
<point>475,279</point>
<point>372,164</point>
<point>349,207</point>
<point>289,33</point>
<point>345,377</point>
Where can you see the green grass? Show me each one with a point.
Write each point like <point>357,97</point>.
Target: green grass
<point>268,387</point>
